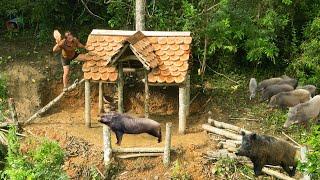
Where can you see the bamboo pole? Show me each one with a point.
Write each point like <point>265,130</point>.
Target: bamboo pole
<point>100,105</point>
<point>188,95</point>
<point>13,112</point>
<point>223,125</point>
<point>182,109</point>
<point>138,150</point>
<point>221,132</point>
<point>167,145</point>
<point>120,89</point>
<point>146,95</point>
<point>53,102</point>
<point>107,149</point>
<point>303,153</point>
<point>126,156</point>
<point>87,103</point>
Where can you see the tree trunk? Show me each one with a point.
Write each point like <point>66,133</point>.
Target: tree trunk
<point>140,14</point>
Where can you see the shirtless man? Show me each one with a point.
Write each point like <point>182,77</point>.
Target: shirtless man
<point>68,47</point>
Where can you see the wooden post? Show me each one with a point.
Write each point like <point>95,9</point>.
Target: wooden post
<point>100,106</point>
<point>120,88</point>
<point>146,95</point>
<point>182,109</point>
<point>140,14</point>
<point>188,95</point>
<point>107,149</point>
<point>303,153</point>
<point>13,111</point>
<point>87,103</point>
<point>167,145</point>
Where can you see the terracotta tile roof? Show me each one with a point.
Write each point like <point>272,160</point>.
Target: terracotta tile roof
<point>167,57</point>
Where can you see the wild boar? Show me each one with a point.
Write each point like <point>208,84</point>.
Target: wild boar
<point>301,113</point>
<point>290,98</point>
<point>252,88</point>
<point>289,81</point>
<point>123,124</point>
<point>267,82</point>
<point>275,89</point>
<point>311,88</point>
<point>266,150</point>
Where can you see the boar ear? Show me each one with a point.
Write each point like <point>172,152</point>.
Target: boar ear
<point>253,136</point>
<point>243,133</point>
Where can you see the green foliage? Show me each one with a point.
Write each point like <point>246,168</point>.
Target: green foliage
<point>312,166</point>
<point>43,162</point>
<point>112,170</point>
<point>178,172</point>
<point>227,168</point>
<point>3,96</point>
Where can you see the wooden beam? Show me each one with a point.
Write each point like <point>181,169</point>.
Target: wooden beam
<point>87,103</point>
<point>138,150</point>
<point>127,156</point>
<point>100,100</point>
<point>104,82</point>
<point>146,95</point>
<point>107,149</point>
<point>182,109</point>
<point>120,88</point>
<point>122,50</point>
<point>223,125</point>
<point>130,57</point>
<point>164,84</point>
<point>146,33</point>
<point>167,145</point>
<point>222,132</point>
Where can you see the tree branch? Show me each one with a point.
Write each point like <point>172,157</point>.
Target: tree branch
<point>90,12</point>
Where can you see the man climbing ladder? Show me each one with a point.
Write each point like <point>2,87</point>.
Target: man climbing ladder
<point>68,47</point>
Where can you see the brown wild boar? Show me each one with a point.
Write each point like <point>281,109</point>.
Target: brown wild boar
<point>290,98</point>
<point>267,82</point>
<point>301,113</point>
<point>252,88</point>
<point>123,124</point>
<point>266,150</point>
<point>289,81</point>
<point>275,89</point>
<point>311,88</point>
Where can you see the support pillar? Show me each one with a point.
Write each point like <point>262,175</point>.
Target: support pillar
<point>87,103</point>
<point>167,145</point>
<point>100,105</point>
<point>182,108</point>
<point>107,149</point>
<point>188,95</point>
<point>120,88</point>
<point>146,95</point>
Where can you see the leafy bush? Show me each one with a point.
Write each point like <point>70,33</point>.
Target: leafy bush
<point>312,166</point>
<point>43,162</point>
<point>3,96</point>
<point>178,172</point>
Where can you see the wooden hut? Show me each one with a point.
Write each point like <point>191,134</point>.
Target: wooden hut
<point>163,56</point>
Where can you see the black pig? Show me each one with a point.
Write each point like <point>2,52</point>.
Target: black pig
<point>266,150</point>
<point>123,124</point>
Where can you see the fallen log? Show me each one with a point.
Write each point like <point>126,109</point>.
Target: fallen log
<point>223,125</point>
<point>53,102</point>
<point>234,142</point>
<point>126,156</point>
<point>4,130</point>
<point>292,140</point>
<point>138,150</point>
<point>221,132</point>
<point>275,174</point>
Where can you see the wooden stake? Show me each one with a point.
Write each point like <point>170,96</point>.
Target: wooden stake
<point>182,109</point>
<point>146,95</point>
<point>138,150</point>
<point>120,89</point>
<point>304,159</point>
<point>126,156</point>
<point>221,132</point>
<point>100,105</point>
<point>87,103</point>
<point>13,111</point>
<point>107,149</point>
<point>53,102</point>
<point>167,145</point>
<point>187,95</point>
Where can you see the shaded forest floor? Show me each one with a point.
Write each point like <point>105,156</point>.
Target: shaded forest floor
<point>64,122</point>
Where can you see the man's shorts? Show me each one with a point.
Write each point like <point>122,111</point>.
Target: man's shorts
<point>66,62</point>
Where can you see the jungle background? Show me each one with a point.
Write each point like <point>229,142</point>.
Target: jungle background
<point>237,38</point>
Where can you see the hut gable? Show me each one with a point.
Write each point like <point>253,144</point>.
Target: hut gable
<point>165,54</point>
